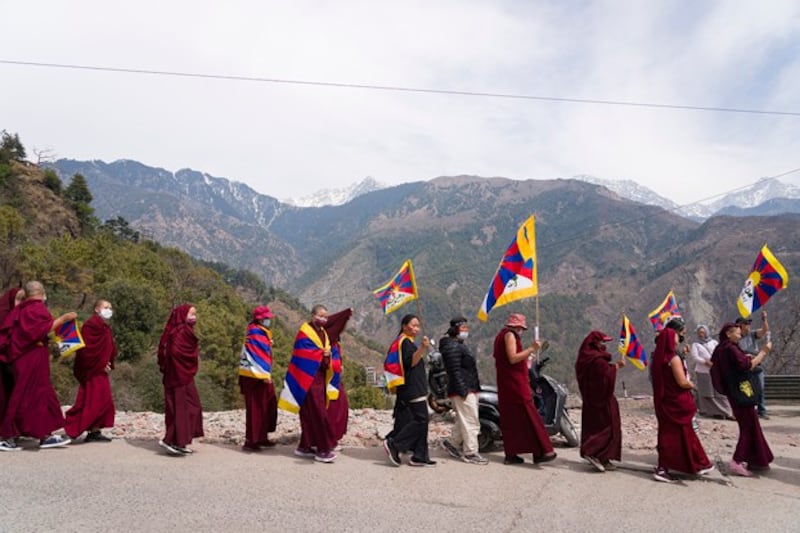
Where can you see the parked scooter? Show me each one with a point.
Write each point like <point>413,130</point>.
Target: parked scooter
<point>549,397</point>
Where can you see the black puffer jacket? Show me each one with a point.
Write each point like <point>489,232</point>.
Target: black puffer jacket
<point>462,371</point>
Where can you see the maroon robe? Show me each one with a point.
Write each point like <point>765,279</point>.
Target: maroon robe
<point>178,360</point>
<point>339,409</point>
<point>7,301</point>
<point>752,447</point>
<point>315,426</point>
<point>520,422</point>
<point>601,431</point>
<point>261,410</point>
<point>33,409</point>
<point>678,445</point>
<point>94,407</point>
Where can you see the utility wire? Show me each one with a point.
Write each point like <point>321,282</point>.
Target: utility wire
<point>397,88</point>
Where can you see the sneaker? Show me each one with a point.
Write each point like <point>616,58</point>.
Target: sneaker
<point>663,475</point>
<point>421,462</point>
<point>608,465</point>
<point>183,450</point>
<point>513,460</point>
<point>337,448</point>
<point>739,469</point>
<point>327,457</point>
<point>9,446</point>
<point>595,463</point>
<point>96,436</point>
<point>546,458</point>
<point>450,448</point>
<point>172,450</point>
<point>706,470</point>
<point>391,451</point>
<point>54,441</point>
<point>475,459</point>
<point>308,453</point>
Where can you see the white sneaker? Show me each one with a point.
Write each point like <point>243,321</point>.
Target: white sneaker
<point>172,450</point>
<point>595,463</point>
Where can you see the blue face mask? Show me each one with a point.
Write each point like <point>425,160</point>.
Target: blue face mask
<point>266,322</point>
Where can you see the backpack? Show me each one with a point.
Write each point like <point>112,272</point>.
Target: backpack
<point>717,379</point>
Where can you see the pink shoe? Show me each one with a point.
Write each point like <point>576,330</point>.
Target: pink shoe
<point>739,469</point>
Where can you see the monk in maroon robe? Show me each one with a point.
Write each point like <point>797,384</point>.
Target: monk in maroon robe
<point>520,422</point>
<point>601,431</point>
<point>8,301</point>
<point>339,409</point>
<point>178,360</point>
<point>752,451</point>
<point>94,407</point>
<point>678,445</point>
<point>255,382</point>
<point>33,408</point>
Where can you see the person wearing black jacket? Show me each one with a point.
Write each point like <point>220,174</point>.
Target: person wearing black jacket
<point>462,389</point>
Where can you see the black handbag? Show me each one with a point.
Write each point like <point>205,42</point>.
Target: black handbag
<point>744,388</point>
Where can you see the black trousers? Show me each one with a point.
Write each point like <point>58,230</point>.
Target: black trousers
<point>410,433</point>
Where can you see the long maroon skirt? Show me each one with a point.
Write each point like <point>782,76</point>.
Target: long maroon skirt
<point>183,414</point>
<point>261,410</point>
<point>523,430</point>
<point>679,448</point>
<point>93,408</point>
<point>33,409</point>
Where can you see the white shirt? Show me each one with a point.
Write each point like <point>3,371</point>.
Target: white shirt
<point>701,354</point>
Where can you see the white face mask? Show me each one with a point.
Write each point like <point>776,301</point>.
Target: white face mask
<point>266,322</point>
<point>463,335</point>
<point>106,314</point>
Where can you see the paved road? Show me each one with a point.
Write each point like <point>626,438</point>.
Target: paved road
<point>133,486</point>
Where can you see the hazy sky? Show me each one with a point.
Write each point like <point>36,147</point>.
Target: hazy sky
<point>289,140</point>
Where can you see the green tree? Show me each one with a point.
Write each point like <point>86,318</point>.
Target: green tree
<point>120,228</point>
<point>52,181</point>
<point>80,197</point>
<point>11,148</point>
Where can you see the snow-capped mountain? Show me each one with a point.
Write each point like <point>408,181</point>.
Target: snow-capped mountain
<point>337,196</point>
<point>761,198</point>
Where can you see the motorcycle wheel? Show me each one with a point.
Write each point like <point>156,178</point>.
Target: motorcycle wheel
<point>485,440</point>
<point>568,431</point>
<point>435,406</point>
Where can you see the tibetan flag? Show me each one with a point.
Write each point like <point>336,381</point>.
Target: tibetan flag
<point>767,277</point>
<point>400,290</point>
<point>515,277</point>
<point>255,360</point>
<point>306,359</point>
<point>661,314</point>
<point>630,346</point>
<point>393,364</point>
<point>68,337</point>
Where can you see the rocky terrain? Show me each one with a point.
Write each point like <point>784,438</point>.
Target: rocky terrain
<point>366,426</point>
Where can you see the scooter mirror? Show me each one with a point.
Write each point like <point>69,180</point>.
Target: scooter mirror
<point>545,346</point>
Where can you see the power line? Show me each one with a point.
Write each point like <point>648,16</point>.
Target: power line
<point>397,88</point>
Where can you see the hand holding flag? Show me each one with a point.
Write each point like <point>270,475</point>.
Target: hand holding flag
<point>68,337</point>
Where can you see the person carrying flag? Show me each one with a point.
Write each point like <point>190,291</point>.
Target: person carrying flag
<point>33,409</point>
<point>520,422</point>
<point>405,364</point>
<point>255,382</point>
<point>94,406</point>
<point>749,344</point>
<point>338,409</point>
<point>601,426</point>
<point>308,389</point>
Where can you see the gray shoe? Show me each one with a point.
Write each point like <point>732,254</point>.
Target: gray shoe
<point>595,463</point>
<point>475,459</point>
<point>9,446</point>
<point>448,446</point>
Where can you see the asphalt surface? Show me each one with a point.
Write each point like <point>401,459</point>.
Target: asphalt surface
<point>134,486</point>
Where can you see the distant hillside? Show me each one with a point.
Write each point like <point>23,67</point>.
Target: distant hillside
<point>599,254</point>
